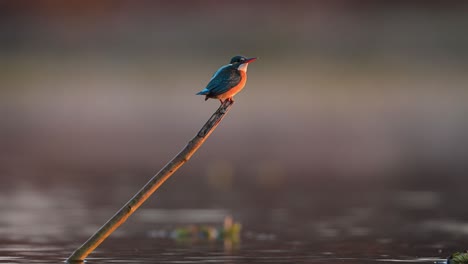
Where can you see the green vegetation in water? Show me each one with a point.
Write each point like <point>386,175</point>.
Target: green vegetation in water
<point>230,231</point>
<point>458,258</point>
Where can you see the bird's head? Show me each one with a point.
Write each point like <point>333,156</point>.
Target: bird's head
<point>241,62</point>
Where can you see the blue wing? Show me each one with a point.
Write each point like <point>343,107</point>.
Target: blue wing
<point>223,80</point>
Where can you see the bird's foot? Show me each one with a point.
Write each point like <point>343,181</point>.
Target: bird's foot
<point>227,100</point>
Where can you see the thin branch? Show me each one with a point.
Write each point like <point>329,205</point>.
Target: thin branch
<point>131,206</point>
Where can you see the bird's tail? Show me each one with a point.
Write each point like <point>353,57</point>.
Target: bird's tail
<point>203,92</point>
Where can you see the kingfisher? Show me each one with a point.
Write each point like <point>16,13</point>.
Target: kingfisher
<point>228,80</point>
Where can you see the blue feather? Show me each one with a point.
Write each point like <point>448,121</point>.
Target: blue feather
<point>222,81</point>
<point>203,92</point>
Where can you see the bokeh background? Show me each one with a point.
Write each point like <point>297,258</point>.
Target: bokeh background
<point>349,102</point>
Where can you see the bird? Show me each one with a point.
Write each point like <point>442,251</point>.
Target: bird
<point>228,80</point>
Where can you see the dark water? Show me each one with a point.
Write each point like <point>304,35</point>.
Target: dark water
<point>43,223</point>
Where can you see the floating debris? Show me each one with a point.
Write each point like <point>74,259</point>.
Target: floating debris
<point>229,231</point>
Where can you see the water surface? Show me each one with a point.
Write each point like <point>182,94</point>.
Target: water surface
<point>45,223</point>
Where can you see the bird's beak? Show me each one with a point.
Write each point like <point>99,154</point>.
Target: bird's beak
<point>250,60</point>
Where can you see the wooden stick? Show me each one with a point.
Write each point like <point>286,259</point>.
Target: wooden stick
<point>131,206</point>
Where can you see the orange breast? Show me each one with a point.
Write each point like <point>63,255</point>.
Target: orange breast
<point>234,90</point>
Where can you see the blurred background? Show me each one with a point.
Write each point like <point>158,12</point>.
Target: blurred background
<point>351,104</point>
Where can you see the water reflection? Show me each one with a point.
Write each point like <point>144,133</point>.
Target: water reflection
<point>39,215</point>
<point>44,224</point>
